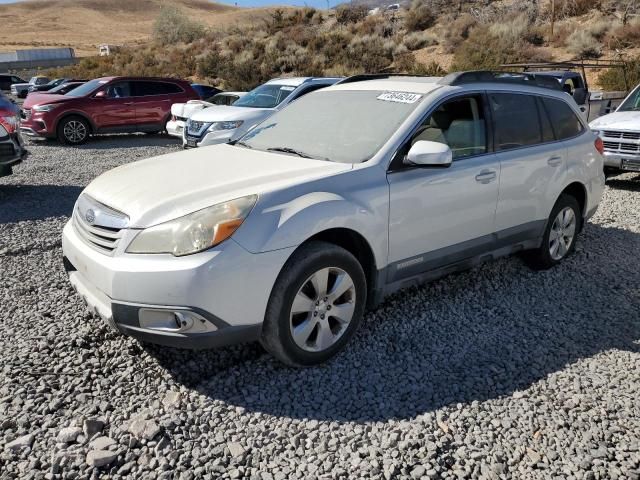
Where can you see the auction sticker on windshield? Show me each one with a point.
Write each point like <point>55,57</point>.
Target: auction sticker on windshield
<point>400,97</point>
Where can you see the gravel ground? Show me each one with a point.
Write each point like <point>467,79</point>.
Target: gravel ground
<point>499,372</point>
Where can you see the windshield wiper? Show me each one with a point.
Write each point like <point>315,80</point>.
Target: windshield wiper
<point>289,150</point>
<point>242,144</point>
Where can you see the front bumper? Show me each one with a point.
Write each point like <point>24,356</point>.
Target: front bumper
<point>175,128</point>
<point>208,138</point>
<point>19,153</point>
<point>621,161</point>
<point>211,288</point>
<point>38,124</point>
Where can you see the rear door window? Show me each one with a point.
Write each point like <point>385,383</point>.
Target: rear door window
<point>515,119</point>
<point>146,89</point>
<point>566,123</point>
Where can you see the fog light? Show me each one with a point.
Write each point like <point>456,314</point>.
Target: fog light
<point>175,321</point>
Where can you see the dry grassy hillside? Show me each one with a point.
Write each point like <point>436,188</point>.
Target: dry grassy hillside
<point>84,24</point>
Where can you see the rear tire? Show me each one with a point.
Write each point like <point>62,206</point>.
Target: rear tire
<point>316,305</point>
<point>560,234</point>
<point>73,131</point>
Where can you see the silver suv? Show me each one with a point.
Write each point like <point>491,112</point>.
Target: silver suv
<point>345,196</point>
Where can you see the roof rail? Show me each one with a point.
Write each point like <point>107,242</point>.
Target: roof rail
<point>488,76</point>
<point>378,76</point>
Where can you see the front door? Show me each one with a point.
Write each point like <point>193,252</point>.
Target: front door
<point>440,216</point>
<point>115,111</point>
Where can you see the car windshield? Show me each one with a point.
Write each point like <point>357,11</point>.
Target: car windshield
<point>265,96</point>
<point>86,88</point>
<point>632,102</point>
<point>339,126</point>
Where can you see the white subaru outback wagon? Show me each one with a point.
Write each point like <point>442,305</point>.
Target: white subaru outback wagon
<point>348,194</point>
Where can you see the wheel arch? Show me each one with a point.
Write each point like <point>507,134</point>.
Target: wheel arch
<point>356,244</point>
<point>82,115</point>
<point>578,191</point>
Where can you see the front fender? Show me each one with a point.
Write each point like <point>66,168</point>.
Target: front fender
<point>287,219</point>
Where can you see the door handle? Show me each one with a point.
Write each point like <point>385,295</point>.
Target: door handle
<point>486,176</point>
<point>554,161</point>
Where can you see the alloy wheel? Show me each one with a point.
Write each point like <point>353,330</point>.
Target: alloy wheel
<point>322,309</point>
<point>75,131</point>
<point>562,232</point>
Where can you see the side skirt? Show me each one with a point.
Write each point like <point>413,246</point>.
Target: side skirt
<point>437,264</point>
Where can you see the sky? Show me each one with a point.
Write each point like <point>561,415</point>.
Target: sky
<point>261,3</point>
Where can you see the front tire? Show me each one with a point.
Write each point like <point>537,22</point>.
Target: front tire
<point>560,235</point>
<point>73,131</point>
<point>316,305</point>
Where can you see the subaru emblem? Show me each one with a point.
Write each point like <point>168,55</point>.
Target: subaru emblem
<point>90,216</point>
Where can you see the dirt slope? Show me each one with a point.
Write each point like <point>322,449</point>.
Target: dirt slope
<point>84,24</point>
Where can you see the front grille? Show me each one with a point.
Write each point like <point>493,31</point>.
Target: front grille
<point>629,164</point>
<point>102,238</point>
<point>25,114</point>
<point>624,135</point>
<point>621,147</point>
<point>7,150</point>
<point>99,226</point>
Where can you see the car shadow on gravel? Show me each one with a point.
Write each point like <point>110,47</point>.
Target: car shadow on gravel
<point>36,202</point>
<point>475,336</point>
<point>629,184</point>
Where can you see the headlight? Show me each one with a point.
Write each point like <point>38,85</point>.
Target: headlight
<point>44,108</point>
<point>195,232</point>
<point>224,125</point>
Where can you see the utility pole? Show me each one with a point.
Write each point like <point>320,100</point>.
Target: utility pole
<point>553,15</point>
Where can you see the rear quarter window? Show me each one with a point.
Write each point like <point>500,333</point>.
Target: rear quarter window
<point>564,120</point>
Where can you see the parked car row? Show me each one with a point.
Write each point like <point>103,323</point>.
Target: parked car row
<point>180,112</point>
<point>353,191</point>
<point>12,149</point>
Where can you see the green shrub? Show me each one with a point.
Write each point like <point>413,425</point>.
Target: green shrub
<point>612,79</point>
<point>173,26</point>
<point>483,50</point>
<point>458,31</point>
<point>418,40</point>
<point>419,17</point>
<point>368,54</point>
<point>582,44</point>
<point>346,14</point>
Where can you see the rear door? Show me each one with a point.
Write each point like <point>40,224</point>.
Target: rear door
<point>153,102</point>
<point>532,164</point>
<point>115,111</point>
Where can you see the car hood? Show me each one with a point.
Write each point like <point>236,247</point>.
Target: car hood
<point>150,192</point>
<point>618,120</point>
<point>41,98</point>
<point>224,113</point>
<point>187,109</point>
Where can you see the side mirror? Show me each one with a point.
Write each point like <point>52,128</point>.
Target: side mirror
<point>101,94</point>
<point>580,95</point>
<point>429,154</point>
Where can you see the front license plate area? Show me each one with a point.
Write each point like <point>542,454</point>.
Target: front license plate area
<point>633,165</point>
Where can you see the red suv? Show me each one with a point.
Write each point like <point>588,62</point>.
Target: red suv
<point>104,105</point>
